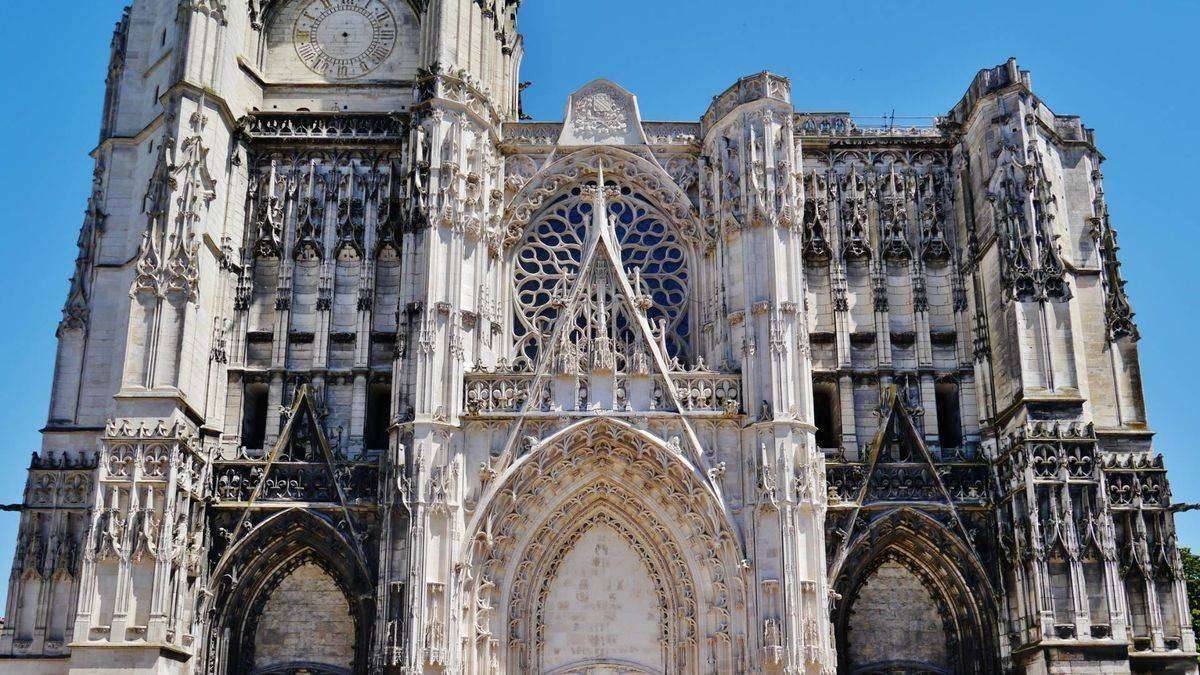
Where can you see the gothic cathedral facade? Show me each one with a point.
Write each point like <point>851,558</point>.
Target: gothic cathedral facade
<point>362,372</point>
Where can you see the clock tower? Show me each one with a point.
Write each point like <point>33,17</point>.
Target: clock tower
<point>200,321</point>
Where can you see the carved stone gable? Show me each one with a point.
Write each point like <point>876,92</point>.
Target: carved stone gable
<point>602,113</point>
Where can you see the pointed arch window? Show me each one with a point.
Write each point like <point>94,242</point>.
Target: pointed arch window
<point>548,261</point>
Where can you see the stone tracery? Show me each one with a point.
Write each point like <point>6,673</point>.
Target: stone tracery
<point>548,261</point>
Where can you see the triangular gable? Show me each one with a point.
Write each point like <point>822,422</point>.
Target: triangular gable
<point>301,440</point>
<point>602,246</point>
<point>898,452</point>
<point>898,443</point>
<point>896,456</point>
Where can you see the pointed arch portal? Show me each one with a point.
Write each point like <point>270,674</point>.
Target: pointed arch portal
<point>912,602</point>
<point>914,597</point>
<point>293,572</point>
<point>600,548</point>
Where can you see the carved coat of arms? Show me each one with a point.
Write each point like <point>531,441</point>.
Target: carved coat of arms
<point>600,113</point>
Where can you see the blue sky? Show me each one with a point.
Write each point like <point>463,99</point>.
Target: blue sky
<point>1130,70</point>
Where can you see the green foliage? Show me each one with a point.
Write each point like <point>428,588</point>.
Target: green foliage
<point>1191,574</point>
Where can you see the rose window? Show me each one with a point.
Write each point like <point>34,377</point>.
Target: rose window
<point>548,263</point>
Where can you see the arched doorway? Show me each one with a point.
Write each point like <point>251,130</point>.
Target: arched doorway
<point>292,596</point>
<point>602,588</point>
<point>894,624</point>
<point>600,551</point>
<point>913,601</point>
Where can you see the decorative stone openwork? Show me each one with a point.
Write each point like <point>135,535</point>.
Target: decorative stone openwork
<point>548,261</point>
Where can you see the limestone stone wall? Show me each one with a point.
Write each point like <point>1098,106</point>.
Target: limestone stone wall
<point>895,619</point>
<point>602,604</point>
<point>307,620</point>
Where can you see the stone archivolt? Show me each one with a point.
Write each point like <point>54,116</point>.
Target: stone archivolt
<point>946,567</point>
<point>250,570</point>
<point>604,471</point>
<point>621,166</point>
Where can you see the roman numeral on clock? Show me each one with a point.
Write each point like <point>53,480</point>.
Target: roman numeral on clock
<point>377,52</point>
<point>345,56</point>
<point>308,50</point>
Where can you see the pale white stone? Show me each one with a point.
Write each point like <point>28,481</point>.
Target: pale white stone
<point>538,396</point>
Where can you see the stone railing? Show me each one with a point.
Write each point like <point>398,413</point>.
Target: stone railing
<point>672,133</point>
<point>965,482</point>
<point>339,127</point>
<point>709,392</point>
<point>496,392</point>
<point>61,480</point>
<point>842,125</point>
<point>234,482</point>
<point>1136,479</point>
<point>543,134</point>
<point>505,392</point>
<point>748,89</point>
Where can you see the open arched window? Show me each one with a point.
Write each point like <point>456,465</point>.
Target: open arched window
<point>548,262</point>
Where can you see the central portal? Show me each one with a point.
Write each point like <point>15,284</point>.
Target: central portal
<point>602,555</point>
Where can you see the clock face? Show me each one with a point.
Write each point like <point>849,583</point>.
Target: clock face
<point>344,39</point>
